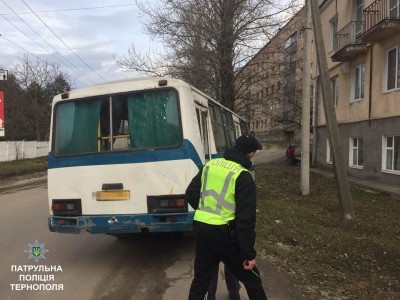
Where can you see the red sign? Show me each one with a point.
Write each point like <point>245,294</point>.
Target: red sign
<point>2,124</point>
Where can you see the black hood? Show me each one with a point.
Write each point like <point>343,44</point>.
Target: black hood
<point>236,155</point>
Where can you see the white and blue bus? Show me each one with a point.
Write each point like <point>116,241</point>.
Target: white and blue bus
<point>122,154</point>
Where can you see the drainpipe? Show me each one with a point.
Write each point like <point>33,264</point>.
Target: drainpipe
<point>370,86</point>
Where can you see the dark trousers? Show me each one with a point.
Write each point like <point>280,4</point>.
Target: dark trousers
<point>232,285</point>
<point>213,245</point>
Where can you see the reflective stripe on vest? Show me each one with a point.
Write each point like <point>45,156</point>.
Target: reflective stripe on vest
<point>217,199</point>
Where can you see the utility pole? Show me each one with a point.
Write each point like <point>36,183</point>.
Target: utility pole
<point>305,109</point>
<point>330,116</point>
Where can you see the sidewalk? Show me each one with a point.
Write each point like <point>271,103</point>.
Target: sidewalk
<point>393,190</point>
<point>276,154</point>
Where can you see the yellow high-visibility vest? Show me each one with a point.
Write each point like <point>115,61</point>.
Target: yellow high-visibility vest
<point>217,198</point>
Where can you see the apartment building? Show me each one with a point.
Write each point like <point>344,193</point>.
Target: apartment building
<point>270,85</point>
<point>362,43</point>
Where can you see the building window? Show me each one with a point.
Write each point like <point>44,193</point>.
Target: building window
<point>291,40</point>
<point>356,152</point>
<point>335,90</point>
<point>357,82</point>
<point>328,153</point>
<point>394,8</point>
<point>359,16</point>
<point>333,27</point>
<point>393,68</point>
<point>391,153</point>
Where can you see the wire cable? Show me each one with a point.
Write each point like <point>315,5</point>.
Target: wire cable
<point>69,48</point>
<point>76,9</point>
<point>15,44</point>
<point>70,64</point>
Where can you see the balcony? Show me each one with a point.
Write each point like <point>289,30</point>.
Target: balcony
<point>348,42</point>
<point>382,19</point>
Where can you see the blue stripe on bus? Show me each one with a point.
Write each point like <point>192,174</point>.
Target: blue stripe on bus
<point>185,151</point>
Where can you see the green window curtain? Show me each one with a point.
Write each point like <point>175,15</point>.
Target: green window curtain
<point>154,119</point>
<point>76,127</point>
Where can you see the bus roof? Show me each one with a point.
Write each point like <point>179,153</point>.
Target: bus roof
<point>126,85</point>
<point>133,84</point>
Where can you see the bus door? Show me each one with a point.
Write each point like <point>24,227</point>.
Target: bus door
<point>202,118</point>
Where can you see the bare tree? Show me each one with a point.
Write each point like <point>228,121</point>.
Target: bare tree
<point>206,42</point>
<point>18,126</point>
<point>30,89</point>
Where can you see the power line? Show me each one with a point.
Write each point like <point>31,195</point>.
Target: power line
<point>37,43</point>
<point>15,44</point>
<point>80,8</point>
<point>40,45</point>
<point>76,9</point>
<point>69,48</point>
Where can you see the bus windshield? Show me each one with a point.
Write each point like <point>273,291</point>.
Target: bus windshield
<point>117,122</point>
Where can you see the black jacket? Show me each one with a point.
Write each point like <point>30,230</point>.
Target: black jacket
<point>245,198</point>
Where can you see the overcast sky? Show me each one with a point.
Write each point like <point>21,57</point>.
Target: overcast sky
<point>80,36</point>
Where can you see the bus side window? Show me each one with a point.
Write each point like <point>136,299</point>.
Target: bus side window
<point>237,130</point>
<point>243,127</point>
<point>218,129</point>
<point>205,133</point>
<point>229,128</point>
<point>199,122</point>
<point>202,120</point>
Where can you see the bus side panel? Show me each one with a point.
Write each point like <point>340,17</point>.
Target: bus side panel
<point>190,125</point>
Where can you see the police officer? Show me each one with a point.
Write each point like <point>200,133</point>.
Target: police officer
<point>224,196</point>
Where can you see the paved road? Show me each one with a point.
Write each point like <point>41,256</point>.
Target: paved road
<point>93,266</point>
<point>98,266</point>
<point>269,155</point>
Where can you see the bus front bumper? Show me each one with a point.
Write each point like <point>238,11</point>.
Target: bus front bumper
<point>120,224</point>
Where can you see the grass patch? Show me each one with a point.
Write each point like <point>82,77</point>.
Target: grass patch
<point>329,257</point>
<point>21,167</point>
